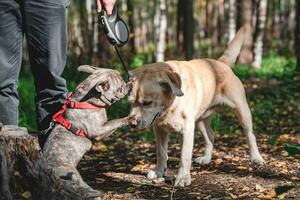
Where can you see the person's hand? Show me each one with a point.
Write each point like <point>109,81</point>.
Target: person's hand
<point>107,4</point>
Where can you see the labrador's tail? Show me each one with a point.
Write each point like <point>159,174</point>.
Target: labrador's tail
<point>233,50</point>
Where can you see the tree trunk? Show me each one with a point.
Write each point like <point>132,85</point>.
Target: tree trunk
<point>259,32</point>
<point>202,20</point>
<point>23,166</point>
<point>131,25</point>
<point>214,24</point>
<point>246,55</point>
<point>188,29</point>
<point>232,20</point>
<point>220,21</point>
<point>161,17</point>
<point>297,36</point>
<point>18,150</point>
<point>290,23</point>
<point>180,22</point>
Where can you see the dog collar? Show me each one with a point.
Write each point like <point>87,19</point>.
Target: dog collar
<point>58,117</point>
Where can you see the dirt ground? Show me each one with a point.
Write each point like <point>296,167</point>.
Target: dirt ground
<point>118,165</point>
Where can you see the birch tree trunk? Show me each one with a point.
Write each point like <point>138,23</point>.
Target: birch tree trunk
<point>259,33</point>
<point>214,24</point>
<point>232,20</point>
<point>246,55</point>
<point>161,20</point>
<point>180,22</point>
<point>90,31</point>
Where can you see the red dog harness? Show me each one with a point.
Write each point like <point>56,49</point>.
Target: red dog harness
<point>58,117</point>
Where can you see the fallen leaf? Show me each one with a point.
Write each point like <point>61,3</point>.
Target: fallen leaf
<point>233,196</point>
<point>100,180</point>
<point>26,195</point>
<point>218,161</point>
<point>282,196</point>
<point>245,188</point>
<point>270,194</point>
<point>259,188</point>
<point>242,168</point>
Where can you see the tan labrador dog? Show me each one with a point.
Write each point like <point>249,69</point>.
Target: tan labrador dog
<point>179,96</point>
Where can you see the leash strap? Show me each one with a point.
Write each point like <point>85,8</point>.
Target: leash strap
<point>58,117</point>
<point>122,60</point>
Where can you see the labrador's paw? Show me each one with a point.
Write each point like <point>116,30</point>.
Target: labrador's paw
<point>183,180</point>
<point>155,173</point>
<point>257,159</point>
<point>203,160</point>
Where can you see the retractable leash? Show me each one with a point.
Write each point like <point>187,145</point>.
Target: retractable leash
<point>116,31</point>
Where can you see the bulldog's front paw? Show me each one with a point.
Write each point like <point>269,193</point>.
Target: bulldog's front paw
<point>155,173</point>
<point>183,180</point>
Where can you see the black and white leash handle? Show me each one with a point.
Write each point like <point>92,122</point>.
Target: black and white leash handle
<point>116,31</point>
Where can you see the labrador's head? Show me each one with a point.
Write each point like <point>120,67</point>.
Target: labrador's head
<point>154,89</point>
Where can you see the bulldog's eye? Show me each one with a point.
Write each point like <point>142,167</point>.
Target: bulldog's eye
<point>147,103</point>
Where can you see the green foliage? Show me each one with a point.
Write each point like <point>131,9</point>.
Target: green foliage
<point>27,116</point>
<point>273,66</point>
<point>137,61</point>
<point>292,148</point>
<point>147,136</point>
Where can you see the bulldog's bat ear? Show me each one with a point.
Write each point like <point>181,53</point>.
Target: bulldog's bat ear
<point>174,82</point>
<point>88,69</point>
<point>102,87</point>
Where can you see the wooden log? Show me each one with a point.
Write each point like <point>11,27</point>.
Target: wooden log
<point>18,149</point>
<point>22,167</point>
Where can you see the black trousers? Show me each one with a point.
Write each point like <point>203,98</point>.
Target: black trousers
<point>43,23</point>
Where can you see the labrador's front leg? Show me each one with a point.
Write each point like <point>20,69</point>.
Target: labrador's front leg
<point>184,177</point>
<point>162,138</point>
<point>109,127</point>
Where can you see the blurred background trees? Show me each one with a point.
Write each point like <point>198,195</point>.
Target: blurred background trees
<point>172,28</point>
<point>180,29</point>
<point>184,29</point>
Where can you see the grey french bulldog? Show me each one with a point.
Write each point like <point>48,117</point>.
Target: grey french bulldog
<point>63,150</point>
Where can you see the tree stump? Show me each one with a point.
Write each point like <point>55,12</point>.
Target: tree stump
<point>18,150</point>
<point>22,166</point>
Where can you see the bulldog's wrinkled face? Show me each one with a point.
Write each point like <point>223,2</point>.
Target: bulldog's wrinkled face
<point>103,87</point>
<point>153,91</point>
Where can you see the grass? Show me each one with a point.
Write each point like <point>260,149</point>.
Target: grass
<point>27,115</point>
<point>262,103</point>
<point>273,66</point>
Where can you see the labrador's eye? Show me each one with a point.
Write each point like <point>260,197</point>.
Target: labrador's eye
<point>147,103</point>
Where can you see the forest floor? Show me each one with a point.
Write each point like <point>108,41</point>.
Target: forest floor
<point>118,165</point>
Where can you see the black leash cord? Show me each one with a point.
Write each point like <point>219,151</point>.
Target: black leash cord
<point>122,61</point>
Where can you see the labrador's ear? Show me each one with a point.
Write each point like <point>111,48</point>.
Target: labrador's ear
<point>173,81</point>
<point>88,69</point>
